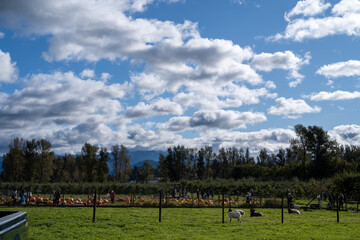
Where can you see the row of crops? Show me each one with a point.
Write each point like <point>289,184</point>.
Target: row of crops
<point>148,193</point>
<point>148,201</point>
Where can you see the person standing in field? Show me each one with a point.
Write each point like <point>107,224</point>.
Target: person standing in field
<point>22,197</point>
<point>289,200</point>
<point>57,196</point>
<point>248,199</point>
<point>112,196</point>
<point>14,196</point>
<point>53,197</point>
<point>341,201</point>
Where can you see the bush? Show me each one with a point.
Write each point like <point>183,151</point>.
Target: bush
<point>272,203</point>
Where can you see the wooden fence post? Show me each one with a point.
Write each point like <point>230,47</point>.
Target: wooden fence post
<point>223,208</point>
<point>94,211</point>
<point>337,209</point>
<point>282,209</point>
<point>160,200</point>
<point>198,197</point>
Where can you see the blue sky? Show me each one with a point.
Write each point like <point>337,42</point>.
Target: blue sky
<point>150,74</point>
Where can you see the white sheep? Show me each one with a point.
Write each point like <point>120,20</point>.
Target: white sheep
<point>293,211</point>
<point>240,211</point>
<point>234,214</point>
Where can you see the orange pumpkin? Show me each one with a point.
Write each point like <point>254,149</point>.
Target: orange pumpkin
<point>50,203</point>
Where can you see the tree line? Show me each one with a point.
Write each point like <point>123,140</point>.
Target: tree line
<point>312,154</point>
<point>33,161</point>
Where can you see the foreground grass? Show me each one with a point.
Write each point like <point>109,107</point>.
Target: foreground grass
<point>185,223</point>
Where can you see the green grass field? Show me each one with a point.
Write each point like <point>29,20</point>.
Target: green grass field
<point>185,223</point>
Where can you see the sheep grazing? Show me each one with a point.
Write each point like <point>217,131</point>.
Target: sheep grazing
<point>234,214</point>
<point>293,211</point>
<point>253,213</point>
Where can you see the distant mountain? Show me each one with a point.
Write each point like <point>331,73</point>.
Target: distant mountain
<point>139,157</point>
<point>141,163</point>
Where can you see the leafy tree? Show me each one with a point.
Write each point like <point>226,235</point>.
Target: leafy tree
<point>163,168</point>
<point>301,133</point>
<point>262,159</point>
<point>44,161</point>
<point>31,155</point>
<point>135,174</point>
<point>124,167</point>
<point>248,158</point>
<point>103,169</point>
<point>281,157</point>
<point>115,153</point>
<point>89,162</point>
<point>225,166</point>
<point>200,166</point>
<point>14,161</point>
<point>146,172</point>
<point>58,170</point>
<point>208,153</point>
<point>71,168</point>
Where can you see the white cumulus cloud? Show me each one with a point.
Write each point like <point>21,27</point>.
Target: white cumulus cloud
<point>159,107</point>
<point>334,96</point>
<point>214,119</point>
<point>346,134</point>
<point>292,108</point>
<point>307,8</point>
<point>340,69</point>
<point>8,69</point>
<point>282,60</point>
<point>344,19</point>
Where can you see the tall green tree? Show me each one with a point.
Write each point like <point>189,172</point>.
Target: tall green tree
<point>163,168</point>
<point>315,143</point>
<point>72,166</point>
<point>208,153</point>
<point>224,162</point>
<point>14,161</point>
<point>44,161</point>
<point>248,158</point>
<point>200,166</point>
<point>124,167</point>
<point>115,160</point>
<point>58,170</point>
<point>102,168</point>
<point>31,158</point>
<point>262,158</point>
<point>301,133</point>
<point>89,162</point>
<point>146,172</point>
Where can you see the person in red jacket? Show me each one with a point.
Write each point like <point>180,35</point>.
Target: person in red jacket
<point>112,196</point>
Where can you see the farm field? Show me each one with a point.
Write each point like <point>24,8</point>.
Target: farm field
<point>184,223</point>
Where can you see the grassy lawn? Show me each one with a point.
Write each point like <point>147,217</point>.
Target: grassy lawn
<point>185,223</point>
